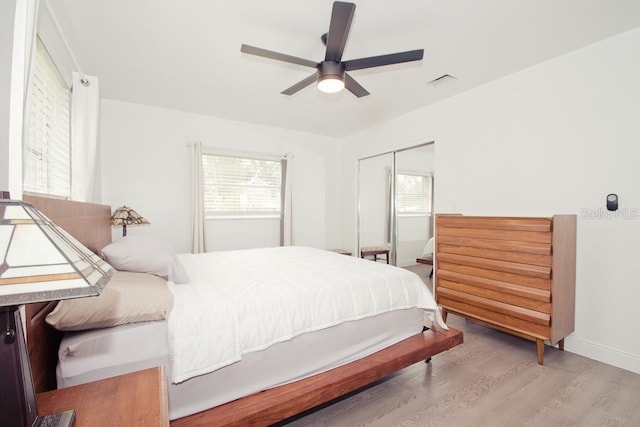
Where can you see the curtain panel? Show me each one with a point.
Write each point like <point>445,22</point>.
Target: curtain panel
<point>286,234</point>
<point>197,199</point>
<point>85,119</point>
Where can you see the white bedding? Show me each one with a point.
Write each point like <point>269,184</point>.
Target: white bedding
<point>228,310</point>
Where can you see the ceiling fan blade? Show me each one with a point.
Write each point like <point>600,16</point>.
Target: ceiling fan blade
<point>354,87</point>
<point>341,17</point>
<point>377,61</point>
<point>300,85</point>
<point>277,56</point>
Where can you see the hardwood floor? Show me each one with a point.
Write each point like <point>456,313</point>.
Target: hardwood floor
<point>493,379</point>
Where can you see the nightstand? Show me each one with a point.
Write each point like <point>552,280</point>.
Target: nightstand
<point>138,398</point>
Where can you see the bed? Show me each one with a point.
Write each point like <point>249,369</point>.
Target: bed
<point>392,341</point>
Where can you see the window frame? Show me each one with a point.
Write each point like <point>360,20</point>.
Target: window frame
<point>276,213</point>
<point>428,177</point>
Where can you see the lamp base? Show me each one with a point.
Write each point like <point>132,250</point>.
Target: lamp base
<point>18,407</point>
<point>62,419</point>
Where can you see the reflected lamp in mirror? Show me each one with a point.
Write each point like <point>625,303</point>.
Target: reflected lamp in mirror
<point>39,262</point>
<point>124,216</point>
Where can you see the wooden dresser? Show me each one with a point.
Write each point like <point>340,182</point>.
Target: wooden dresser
<point>513,274</point>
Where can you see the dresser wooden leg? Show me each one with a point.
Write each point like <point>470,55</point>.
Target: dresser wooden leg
<point>444,315</point>
<point>540,347</point>
<point>561,344</point>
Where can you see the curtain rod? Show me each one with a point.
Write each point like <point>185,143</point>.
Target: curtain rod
<point>85,82</point>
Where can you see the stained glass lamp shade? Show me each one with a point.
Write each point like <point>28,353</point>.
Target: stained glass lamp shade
<point>124,216</point>
<point>38,262</point>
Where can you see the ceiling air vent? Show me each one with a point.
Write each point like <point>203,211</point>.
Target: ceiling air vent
<point>442,80</point>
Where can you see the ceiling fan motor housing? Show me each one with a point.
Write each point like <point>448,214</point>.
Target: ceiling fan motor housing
<point>331,69</point>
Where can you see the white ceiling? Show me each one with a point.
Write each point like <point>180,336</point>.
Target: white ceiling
<point>185,54</point>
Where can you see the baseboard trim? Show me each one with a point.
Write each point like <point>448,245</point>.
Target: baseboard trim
<point>601,353</point>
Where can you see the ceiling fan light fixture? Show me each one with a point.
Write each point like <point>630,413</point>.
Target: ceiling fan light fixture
<point>331,76</point>
<point>330,84</point>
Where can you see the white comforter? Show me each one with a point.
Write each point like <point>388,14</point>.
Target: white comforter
<point>243,301</point>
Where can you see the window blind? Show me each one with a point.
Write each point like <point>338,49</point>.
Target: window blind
<point>47,163</point>
<point>414,194</point>
<point>241,187</point>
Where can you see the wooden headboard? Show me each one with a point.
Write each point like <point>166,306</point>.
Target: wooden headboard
<point>90,224</point>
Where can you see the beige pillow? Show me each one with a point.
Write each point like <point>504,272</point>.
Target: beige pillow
<point>128,297</point>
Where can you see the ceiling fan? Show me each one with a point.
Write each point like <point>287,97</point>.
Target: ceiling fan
<point>331,73</point>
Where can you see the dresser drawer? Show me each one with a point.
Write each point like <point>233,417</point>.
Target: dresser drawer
<point>497,314</point>
<point>520,296</point>
<point>485,273</point>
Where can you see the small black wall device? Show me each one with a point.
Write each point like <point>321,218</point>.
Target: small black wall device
<point>612,202</point>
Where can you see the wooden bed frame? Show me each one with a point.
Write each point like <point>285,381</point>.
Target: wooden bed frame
<point>90,224</point>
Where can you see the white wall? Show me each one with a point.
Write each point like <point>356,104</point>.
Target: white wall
<point>13,22</point>
<point>555,138</point>
<point>146,166</point>
<point>7,14</point>
<point>232,234</point>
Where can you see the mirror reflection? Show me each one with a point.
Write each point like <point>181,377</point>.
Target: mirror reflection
<point>395,205</point>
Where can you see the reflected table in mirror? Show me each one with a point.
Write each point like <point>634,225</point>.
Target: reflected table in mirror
<point>374,251</point>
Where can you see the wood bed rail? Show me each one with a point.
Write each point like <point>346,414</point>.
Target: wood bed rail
<point>279,403</point>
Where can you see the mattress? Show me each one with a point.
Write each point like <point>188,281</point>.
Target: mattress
<point>239,302</point>
<point>91,355</point>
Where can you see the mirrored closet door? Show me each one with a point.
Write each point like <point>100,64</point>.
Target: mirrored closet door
<point>395,205</point>
<point>374,206</point>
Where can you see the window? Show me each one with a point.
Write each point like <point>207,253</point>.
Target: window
<point>414,194</point>
<point>46,150</point>
<point>241,187</point>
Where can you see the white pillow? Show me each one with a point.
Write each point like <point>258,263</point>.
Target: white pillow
<point>429,247</point>
<point>145,254</point>
<point>127,298</point>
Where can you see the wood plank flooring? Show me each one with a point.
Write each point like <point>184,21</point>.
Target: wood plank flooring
<point>493,379</point>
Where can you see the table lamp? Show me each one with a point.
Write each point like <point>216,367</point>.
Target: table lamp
<point>39,261</point>
<point>126,216</point>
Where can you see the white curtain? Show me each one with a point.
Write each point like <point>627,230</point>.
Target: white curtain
<point>85,116</point>
<point>286,234</point>
<point>199,243</point>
